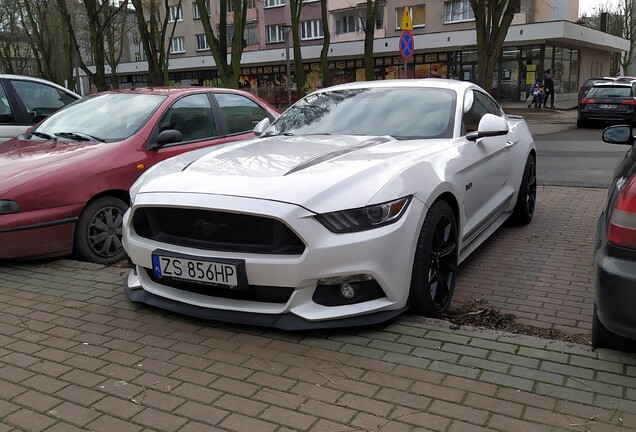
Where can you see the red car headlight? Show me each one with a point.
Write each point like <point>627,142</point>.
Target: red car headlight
<point>8,207</point>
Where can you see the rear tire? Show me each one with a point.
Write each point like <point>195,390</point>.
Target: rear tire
<point>603,338</point>
<point>527,197</point>
<point>99,230</point>
<point>435,264</point>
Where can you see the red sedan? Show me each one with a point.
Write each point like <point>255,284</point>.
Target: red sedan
<point>64,183</point>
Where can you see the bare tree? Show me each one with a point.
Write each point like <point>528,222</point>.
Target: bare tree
<point>295,7</point>
<point>49,38</point>
<point>14,46</point>
<point>115,37</point>
<point>228,72</point>
<point>621,22</point>
<point>492,21</point>
<point>99,15</point>
<point>154,37</point>
<point>371,16</point>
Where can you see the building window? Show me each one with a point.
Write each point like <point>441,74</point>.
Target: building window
<point>175,13</point>
<point>29,70</point>
<point>379,22</point>
<point>202,42</point>
<point>274,3</point>
<point>177,45</point>
<point>137,56</point>
<point>195,10</point>
<point>275,33</point>
<point>347,24</point>
<point>418,16</point>
<point>251,4</point>
<point>311,30</point>
<point>458,10</point>
<point>250,33</point>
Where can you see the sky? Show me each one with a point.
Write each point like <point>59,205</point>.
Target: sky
<point>588,6</point>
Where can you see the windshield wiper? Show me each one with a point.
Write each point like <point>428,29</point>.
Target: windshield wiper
<point>43,135</point>
<point>79,136</point>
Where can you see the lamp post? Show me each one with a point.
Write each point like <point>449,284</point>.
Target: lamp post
<point>287,28</point>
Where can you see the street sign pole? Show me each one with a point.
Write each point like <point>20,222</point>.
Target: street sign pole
<point>407,44</point>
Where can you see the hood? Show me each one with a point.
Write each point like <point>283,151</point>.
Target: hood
<point>25,160</point>
<point>316,172</point>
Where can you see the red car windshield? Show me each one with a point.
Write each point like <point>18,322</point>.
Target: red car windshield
<point>103,117</point>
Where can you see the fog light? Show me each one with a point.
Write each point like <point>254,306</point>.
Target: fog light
<point>347,291</point>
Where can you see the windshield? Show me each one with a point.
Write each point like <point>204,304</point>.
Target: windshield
<point>403,113</point>
<point>102,117</point>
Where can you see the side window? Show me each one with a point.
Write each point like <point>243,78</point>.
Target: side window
<point>481,105</point>
<point>40,100</point>
<point>192,116</point>
<point>240,113</point>
<point>6,114</point>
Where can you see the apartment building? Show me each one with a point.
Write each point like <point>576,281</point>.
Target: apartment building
<point>544,34</point>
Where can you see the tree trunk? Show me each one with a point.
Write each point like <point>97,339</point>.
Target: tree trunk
<point>369,33</point>
<point>492,21</point>
<point>324,52</point>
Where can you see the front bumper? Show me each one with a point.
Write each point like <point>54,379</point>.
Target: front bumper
<point>384,253</point>
<point>283,321</point>
<point>38,234</point>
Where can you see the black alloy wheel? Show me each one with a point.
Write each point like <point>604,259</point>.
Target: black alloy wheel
<point>527,198</point>
<point>435,265</point>
<point>99,231</point>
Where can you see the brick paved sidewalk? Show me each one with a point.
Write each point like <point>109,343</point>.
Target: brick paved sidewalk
<point>75,354</point>
<point>542,273</point>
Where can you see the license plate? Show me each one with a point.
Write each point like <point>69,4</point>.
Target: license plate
<point>607,106</point>
<point>202,270</point>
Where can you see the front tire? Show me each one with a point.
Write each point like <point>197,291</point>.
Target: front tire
<point>99,231</point>
<point>527,197</point>
<point>435,264</point>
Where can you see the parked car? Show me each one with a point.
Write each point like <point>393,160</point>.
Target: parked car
<point>64,183</point>
<point>608,102</point>
<point>587,85</point>
<point>614,321</point>
<point>26,100</point>
<point>359,202</point>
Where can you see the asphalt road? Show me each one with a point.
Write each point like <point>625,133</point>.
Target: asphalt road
<point>577,158</point>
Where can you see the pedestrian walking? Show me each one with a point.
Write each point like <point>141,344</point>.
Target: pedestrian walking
<point>548,83</point>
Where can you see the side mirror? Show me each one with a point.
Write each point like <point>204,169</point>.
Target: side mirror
<point>620,134</point>
<point>169,136</point>
<point>261,126</point>
<point>489,125</point>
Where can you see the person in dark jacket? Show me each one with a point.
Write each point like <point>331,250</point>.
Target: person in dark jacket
<point>548,83</point>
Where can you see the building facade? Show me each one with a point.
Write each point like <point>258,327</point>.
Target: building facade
<point>544,34</point>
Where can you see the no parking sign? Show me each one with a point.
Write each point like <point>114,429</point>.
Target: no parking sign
<point>407,45</point>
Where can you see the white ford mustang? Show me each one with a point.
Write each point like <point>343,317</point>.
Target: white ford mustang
<point>358,203</point>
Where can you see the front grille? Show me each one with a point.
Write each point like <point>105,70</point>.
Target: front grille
<point>257,293</point>
<point>214,230</point>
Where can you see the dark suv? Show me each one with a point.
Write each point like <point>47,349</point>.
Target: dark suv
<point>614,320</point>
<point>587,85</point>
<point>608,102</point>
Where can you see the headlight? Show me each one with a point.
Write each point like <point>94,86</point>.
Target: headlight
<point>364,218</point>
<point>8,207</point>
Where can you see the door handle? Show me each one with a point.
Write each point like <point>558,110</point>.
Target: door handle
<point>510,143</point>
